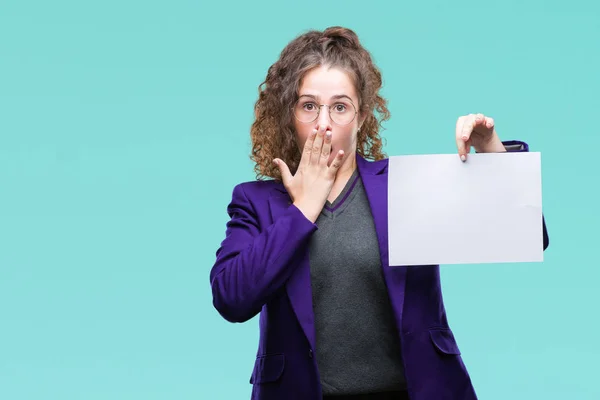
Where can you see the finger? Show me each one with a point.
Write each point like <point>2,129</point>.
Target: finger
<point>317,145</point>
<point>326,149</point>
<point>479,119</point>
<point>307,151</point>
<point>336,163</point>
<point>460,143</point>
<point>485,122</point>
<point>461,146</point>
<point>463,134</point>
<point>286,175</point>
<point>467,127</point>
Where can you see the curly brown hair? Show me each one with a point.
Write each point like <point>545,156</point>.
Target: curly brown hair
<point>273,132</point>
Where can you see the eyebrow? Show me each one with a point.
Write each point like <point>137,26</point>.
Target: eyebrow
<point>335,97</point>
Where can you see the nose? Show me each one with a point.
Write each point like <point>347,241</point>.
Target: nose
<point>323,120</point>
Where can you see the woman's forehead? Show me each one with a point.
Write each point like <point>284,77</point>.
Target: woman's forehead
<point>327,84</point>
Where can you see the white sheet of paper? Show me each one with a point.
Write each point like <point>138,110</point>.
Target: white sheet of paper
<point>444,211</point>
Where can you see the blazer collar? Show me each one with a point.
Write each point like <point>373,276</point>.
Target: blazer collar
<point>366,167</point>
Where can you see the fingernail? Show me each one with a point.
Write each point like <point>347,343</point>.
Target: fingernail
<point>275,162</point>
<point>328,133</point>
<point>463,157</point>
<point>314,131</point>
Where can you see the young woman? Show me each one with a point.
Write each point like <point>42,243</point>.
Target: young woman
<point>307,249</point>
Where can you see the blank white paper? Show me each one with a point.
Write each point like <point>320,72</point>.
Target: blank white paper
<point>485,210</point>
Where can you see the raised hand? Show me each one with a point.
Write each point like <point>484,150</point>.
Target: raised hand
<point>478,131</point>
<point>309,187</point>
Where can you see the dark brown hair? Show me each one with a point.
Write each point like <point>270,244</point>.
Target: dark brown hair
<point>273,133</point>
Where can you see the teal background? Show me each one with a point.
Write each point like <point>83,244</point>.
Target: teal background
<point>124,127</point>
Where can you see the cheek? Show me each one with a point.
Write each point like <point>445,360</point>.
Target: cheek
<point>343,139</point>
<point>301,136</point>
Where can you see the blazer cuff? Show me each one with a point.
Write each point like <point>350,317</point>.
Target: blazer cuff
<point>515,146</point>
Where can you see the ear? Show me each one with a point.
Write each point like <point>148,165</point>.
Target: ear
<point>361,120</point>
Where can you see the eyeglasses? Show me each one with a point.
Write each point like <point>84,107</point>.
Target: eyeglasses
<point>306,110</point>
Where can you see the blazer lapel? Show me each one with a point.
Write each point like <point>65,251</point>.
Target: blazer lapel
<point>374,176</point>
<point>298,286</point>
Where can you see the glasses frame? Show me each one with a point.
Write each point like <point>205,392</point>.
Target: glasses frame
<point>319,113</point>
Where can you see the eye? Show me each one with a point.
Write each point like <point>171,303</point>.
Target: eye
<point>309,107</point>
<point>340,108</point>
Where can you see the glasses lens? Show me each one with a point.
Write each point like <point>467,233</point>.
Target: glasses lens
<point>342,113</point>
<point>306,110</point>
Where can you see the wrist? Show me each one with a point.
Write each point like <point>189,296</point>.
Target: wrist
<point>309,210</point>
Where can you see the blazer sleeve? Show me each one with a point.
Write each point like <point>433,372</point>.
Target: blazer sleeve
<point>519,146</point>
<point>253,264</point>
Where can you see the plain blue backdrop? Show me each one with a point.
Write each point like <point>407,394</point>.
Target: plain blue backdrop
<point>124,126</point>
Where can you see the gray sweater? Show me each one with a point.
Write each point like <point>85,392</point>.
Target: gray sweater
<point>357,343</point>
